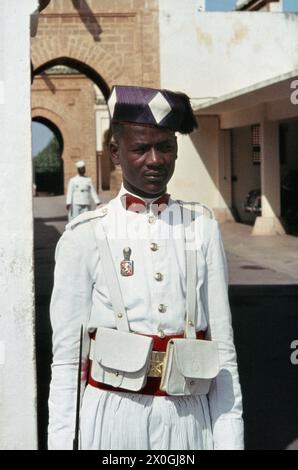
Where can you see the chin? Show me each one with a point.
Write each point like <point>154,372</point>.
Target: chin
<point>154,189</point>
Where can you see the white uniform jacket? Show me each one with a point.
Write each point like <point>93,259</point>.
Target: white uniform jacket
<point>80,191</point>
<point>157,245</point>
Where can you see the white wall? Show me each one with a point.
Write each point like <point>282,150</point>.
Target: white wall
<point>210,54</point>
<point>17,361</point>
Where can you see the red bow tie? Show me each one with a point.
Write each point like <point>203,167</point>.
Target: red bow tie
<point>136,204</point>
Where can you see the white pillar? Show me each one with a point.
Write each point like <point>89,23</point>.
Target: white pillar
<point>276,7</point>
<point>18,428</point>
<point>269,223</point>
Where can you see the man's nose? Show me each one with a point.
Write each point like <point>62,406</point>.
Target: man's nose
<point>154,156</point>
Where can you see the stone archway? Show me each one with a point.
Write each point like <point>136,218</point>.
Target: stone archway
<point>78,65</point>
<point>70,101</point>
<point>118,40</point>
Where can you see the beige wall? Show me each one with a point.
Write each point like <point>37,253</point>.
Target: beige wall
<point>203,166</point>
<point>117,39</point>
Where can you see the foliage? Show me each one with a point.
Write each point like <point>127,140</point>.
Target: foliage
<point>48,160</point>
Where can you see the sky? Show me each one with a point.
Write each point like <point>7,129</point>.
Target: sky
<point>220,5</point>
<point>41,136</point>
<point>225,5</point>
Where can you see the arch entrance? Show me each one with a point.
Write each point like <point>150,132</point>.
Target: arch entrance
<point>70,90</point>
<point>47,163</point>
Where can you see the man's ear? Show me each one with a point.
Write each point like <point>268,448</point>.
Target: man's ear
<point>114,151</point>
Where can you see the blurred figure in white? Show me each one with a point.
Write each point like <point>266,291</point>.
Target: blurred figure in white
<point>80,192</point>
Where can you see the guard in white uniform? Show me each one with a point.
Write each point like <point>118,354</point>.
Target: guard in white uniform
<point>145,230</point>
<point>80,193</point>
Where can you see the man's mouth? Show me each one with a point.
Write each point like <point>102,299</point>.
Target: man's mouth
<point>155,176</point>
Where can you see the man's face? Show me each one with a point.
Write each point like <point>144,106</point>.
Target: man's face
<point>147,157</point>
<point>82,170</point>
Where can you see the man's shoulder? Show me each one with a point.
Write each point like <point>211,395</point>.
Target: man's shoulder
<point>198,207</point>
<point>86,217</point>
<point>73,178</point>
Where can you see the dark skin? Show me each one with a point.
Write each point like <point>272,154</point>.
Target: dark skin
<point>147,156</point>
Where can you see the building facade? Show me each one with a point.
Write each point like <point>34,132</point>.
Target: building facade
<point>110,42</point>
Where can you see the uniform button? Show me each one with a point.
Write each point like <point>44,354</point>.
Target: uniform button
<point>153,246</point>
<point>151,219</point>
<point>162,308</point>
<point>158,277</point>
<point>161,334</point>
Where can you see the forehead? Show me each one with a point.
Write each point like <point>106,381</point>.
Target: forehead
<point>139,133</point>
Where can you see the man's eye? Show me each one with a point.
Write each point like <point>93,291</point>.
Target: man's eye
<point>165,147</point>
<point>139,150</point>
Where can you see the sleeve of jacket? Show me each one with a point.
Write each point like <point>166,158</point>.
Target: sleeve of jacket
<point>69,192</point>
<point>70,308</point>
<point>225,399</point>
<point>94,194</point>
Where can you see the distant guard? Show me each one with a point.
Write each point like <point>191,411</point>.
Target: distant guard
<point>80,193</point>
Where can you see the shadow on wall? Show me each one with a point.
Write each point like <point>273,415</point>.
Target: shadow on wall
<point>88,18</point>
<point>212,147</point>
<point>45,240</point>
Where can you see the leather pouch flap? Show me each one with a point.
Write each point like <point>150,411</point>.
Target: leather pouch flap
<point>196,359</point>
<point>123,351</point>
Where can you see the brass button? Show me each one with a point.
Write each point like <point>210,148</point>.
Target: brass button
<point>151,219</point>
<point>153,246</point>
<point>158,277</point>
<point>119,315</point>
<point>161,334</point>
<point>117,373</point>
<point>162,308</point>
<point>190,323</point>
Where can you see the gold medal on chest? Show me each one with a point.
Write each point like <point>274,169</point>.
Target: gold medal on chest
<point>126,266</point>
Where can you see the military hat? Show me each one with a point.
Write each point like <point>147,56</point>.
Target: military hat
<point>150,106</point>
<point>80,164</point>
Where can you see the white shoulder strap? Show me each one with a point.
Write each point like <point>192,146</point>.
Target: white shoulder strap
<point>85,217</point>
<point>191,274</point>
<point>110,275</point>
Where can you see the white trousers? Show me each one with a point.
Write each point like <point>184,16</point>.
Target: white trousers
<point>77,209</point>
<point>130,421</point>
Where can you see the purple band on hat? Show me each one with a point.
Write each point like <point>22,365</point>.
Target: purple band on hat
<point>161,108</point>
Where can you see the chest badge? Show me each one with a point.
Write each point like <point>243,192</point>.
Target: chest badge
<point>126,266</point>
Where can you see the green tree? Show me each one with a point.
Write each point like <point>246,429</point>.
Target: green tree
<point>48,160</point>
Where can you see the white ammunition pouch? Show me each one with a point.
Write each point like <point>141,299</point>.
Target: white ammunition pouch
<point>189,366</point>
<point>120,359</point>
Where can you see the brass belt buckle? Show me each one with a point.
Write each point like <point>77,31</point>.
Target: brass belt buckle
<point>156,364</point>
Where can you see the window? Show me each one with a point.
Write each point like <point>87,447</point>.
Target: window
<point>256,143</point>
